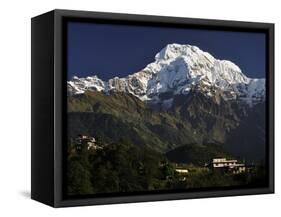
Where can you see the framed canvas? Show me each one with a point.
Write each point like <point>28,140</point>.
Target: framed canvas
<point>133,108</point>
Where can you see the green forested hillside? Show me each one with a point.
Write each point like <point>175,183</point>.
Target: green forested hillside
<point>118,167</point>
<point>122,167</point>
<point>122,116</point>
<point>118,116</point>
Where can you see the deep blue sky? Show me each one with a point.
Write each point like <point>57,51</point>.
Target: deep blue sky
<point>109,50</point>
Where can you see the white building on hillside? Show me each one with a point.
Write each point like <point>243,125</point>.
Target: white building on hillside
<point>227,165</point>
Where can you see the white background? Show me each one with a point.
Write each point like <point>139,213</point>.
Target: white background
<point>15,106</point>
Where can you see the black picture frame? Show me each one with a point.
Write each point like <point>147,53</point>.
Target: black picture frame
<point>49,105</point>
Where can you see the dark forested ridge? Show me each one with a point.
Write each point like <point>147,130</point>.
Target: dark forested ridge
<point>121,167</point>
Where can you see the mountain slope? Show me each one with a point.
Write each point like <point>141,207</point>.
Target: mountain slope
<point>193,119</point>
<point>249,138</point>
<point>123,116</point>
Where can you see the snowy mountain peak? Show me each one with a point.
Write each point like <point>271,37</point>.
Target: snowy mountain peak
<point>80,85</point>
<point>178,69</point>
<point>197,63</point>
<point>172,51</point>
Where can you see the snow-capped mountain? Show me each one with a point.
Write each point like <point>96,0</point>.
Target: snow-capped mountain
<point>179,69</point>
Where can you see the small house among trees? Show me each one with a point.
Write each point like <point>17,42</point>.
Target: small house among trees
<point>224,165</point>
<point>88,142</point>
<point>181,170</point>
